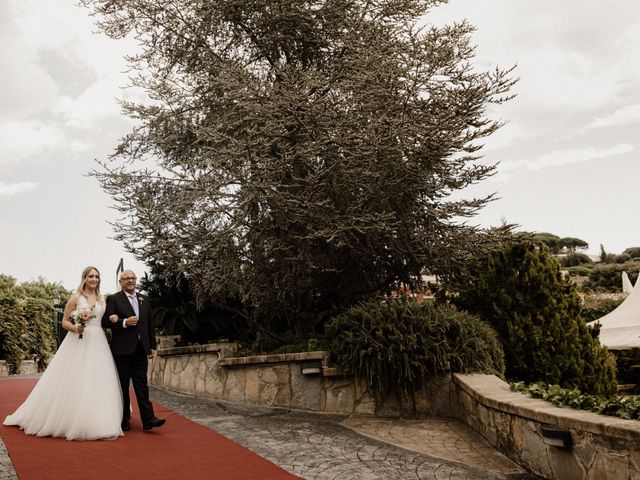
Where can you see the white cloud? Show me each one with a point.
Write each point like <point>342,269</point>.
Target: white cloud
<point>34,141</point>
<point>500,177</point>
<point>559,158</point>
<point>556,80</point>
<point>622,116</point>
<point>510,133</point>
<point>42,39</point>
<point>25,88</point>
<point>96,103</point>
<point>10,189</point>
<point>571,68</point>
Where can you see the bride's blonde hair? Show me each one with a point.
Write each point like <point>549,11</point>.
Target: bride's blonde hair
<point>83,280</point>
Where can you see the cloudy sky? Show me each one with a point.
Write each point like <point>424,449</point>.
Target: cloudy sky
<point>567,156</point>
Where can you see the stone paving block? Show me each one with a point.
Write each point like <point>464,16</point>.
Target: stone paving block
<point>7,471</point>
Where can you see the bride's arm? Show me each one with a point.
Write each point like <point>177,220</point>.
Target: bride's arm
<point>110,318</point>
<point>70,307</point>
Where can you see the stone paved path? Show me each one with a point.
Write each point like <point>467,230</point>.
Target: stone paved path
<point>330,447</point>
<point>7,472</point>
<point>443,438</point>
<point>319,447</point>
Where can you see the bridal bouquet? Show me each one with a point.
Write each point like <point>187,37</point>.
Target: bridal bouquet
<point>82,316</point>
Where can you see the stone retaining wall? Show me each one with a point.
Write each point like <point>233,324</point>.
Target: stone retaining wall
<point>27,367</point>
<point>602,447</point>
<point>278,381</point>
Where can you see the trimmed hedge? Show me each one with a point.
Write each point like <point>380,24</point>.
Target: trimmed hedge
<point>26,320</point>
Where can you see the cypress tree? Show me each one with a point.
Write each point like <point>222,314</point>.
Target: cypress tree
<point>536,312</point>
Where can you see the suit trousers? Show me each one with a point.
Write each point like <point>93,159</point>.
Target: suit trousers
<point>134,368</point>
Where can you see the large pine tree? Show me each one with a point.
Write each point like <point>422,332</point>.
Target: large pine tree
<point>298,155</point>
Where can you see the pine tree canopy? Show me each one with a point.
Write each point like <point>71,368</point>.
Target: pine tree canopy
<point>298,155</point>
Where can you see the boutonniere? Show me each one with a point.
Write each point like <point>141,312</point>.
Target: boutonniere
<point>140,299</point>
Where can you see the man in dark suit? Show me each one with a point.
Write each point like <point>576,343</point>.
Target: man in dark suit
<point>133,342</point>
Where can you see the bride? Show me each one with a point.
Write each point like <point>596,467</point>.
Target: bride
<point>78,396</point>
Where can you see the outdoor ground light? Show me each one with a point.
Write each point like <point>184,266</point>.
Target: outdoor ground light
<point>556,437</point>
<point>310,368</point>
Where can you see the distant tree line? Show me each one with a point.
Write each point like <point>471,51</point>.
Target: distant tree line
<point>605,275</point>
<point>556,244</point>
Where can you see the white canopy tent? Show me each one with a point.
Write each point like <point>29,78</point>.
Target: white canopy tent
<point>620,329</point>
<point>627,286</point>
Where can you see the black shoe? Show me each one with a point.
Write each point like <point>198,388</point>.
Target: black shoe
<point>125,425</point>
<point>153,423</point>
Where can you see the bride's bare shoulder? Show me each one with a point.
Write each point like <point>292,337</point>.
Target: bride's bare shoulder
<point>73,300</point>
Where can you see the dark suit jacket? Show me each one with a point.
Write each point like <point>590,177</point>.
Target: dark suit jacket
<point>124,340</point>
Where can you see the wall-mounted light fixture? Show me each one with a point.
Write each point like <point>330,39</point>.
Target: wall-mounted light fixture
<point>556,437</point>
<point>311,368</point>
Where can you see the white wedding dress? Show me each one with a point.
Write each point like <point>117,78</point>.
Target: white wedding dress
<point>78,397</point>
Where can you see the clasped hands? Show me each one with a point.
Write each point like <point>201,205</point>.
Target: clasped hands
<point>131,321</point>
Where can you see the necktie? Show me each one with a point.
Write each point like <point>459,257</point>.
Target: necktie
<point>134,303</point>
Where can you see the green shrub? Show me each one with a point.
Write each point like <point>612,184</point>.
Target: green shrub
<point>579,270</point>
<point>633,252</point>
<point>627,362</point>
<point>14,329</point>
<point>618,406</point>
<point>26,320</point>
<point>608,277</point>
<point>595,310</point>
<point>536,312</point>
<point>622,258</point>
<point>312,344</point>
<point>394,344</point>
<point>574,259</point>
<point>39,336</point>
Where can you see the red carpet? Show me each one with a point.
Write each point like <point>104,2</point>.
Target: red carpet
<point>180,449</point>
